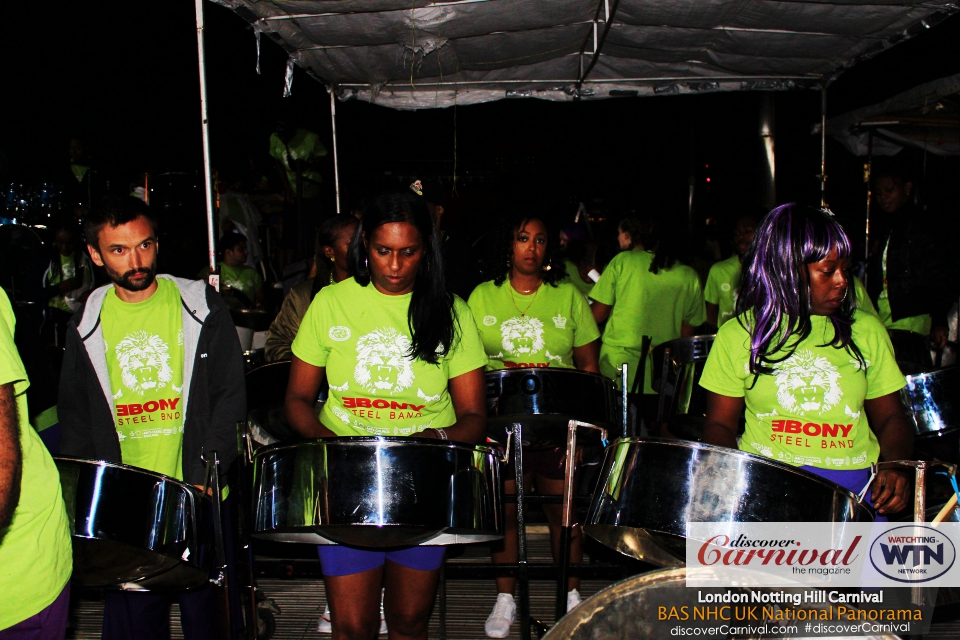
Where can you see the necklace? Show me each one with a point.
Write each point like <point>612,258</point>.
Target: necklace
<point>513,297</point>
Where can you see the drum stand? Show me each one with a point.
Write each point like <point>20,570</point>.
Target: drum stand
<point>212,483</point>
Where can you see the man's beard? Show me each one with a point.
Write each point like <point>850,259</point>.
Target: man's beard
<point>125,282</point>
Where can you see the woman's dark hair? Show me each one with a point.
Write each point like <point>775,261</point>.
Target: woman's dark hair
<point>775,284</point>
<point>431,317</point>
<point>330,230</point>
<point>637,228</point>
<point>510,225</point>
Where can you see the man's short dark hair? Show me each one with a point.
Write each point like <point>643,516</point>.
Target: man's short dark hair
<point>229,242</point>
<point>115,211</point>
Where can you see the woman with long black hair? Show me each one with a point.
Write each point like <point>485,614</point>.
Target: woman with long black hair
<point>815,377</point>
<point>390,332</point>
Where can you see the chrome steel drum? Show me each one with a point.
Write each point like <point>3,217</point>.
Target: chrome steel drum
<point>650,488</point>
<point>131,525</point>
<point>545,400</point>
<point>630,609</point>
<point>932,401</point>
<point>911,351</point>
<point>266,388</point>
<point>377,492</point>
<point>686,400</point>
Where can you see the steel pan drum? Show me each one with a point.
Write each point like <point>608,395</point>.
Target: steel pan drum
<point>629,610</point>
<point>687,400</point>
<point>545,400</point>
<point>132,525</point>
<point>911,351</point>
<point>377,492</point>
<point>931,400</point>
<point>650,488</point>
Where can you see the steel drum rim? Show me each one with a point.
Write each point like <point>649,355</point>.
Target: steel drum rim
<point>685,444</point>
<point>127,467</point>
<point>394,440</point>
<point>552,370</point>
<point>929,374</point>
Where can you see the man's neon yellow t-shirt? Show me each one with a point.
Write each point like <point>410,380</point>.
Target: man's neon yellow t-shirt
<point>536,330</point>
<point>362,338</point>
<point>244,279</point>
<point>644,304</point>
<point>917,324</point>
<point>36,555</point>
<point>809,412</point>
<point>723,283</point>
<point>144,350</point>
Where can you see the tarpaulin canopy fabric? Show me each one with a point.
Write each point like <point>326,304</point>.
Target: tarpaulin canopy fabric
<point>419,54</point>
<point>926,116</point>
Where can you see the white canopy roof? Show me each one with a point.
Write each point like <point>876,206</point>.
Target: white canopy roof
<point>419,54</point>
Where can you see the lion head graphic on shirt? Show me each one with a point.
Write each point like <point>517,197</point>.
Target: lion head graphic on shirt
<point>807,383</point>
<point>144,361</point>
<point>382,365</point>
<point>523,335</point>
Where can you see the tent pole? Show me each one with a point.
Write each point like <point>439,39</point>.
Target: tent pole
<point>867,177</point>
<point>823,142</point>
<point>205,128</point>
<point>336,164</point>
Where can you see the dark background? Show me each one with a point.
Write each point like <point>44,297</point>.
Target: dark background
<point>123,77</point>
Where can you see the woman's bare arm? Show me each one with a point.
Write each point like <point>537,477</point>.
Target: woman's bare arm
<point>301,398</point>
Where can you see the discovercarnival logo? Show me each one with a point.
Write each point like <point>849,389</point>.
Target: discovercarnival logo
<point>912,553</point>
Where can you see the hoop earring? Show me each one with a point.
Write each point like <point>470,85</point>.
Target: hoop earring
<point>366,265</point>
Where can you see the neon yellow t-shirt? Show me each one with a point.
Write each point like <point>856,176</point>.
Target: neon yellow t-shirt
<point>723,283</point>
<point>144,349</point>
<point>644,304</point>
<point>810,411</point>
<point>863,298</point>
<point>917,324</point>
<point>244,279</point>
<point>361,336</point>
<point>36,555</point>
<point>536,330</point>
<point>573,277</point>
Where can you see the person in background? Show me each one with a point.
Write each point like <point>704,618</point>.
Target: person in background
<point>36,554</point>
<point>533,317</point>
<point>68,278</point>
<point>645,292</point>
<point>237,213</point>
<point>297,153</point>
<point>910,275</point>
<point>77,180</point>
<point>799,353</point>
<point>239,284</point>
<point>396,306</point>
<point>580,256</point>
<point>143,340</point>
<point>630,232</point>
<point>333,245</point>
<point>723,281</point>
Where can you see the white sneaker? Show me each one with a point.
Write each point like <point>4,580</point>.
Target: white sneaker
<point>573,600</point>
<point>503,614</point>
<point>323,624</point>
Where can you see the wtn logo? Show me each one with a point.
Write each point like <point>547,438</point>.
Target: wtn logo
<point>912,554</point>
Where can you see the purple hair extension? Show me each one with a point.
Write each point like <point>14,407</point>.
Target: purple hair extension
<point>775,288</point>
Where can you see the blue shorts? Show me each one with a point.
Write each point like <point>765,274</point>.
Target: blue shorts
<point>338,560</point>
<point>853,481</point>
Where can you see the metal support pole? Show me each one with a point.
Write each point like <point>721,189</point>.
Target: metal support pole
<point>212,482</point>
<point>336,163</point>
<point>919,515</point>
<point>566,533</point>
<point>523,581</point>
<point>868,177</point>
<point>823,142</point>
<point>205,129</point>
<point>624,380</point>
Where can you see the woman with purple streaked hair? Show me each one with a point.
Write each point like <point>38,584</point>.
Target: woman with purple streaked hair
<point>814,377</point>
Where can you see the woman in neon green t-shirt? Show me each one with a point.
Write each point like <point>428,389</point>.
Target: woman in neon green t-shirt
<point>529,318</point>
<point>391,336</point>
<point>802,364</point>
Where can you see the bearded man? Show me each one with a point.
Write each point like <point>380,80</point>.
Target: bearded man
<point>152,376</point>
